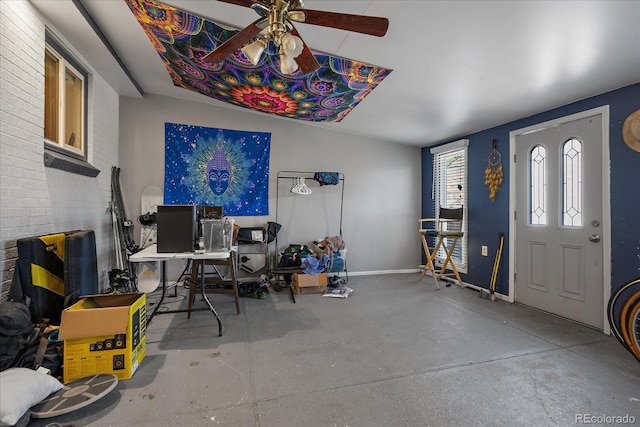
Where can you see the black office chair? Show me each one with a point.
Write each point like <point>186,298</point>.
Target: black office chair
<point>447,226</point>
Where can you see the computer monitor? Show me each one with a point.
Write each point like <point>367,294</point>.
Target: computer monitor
<point>176,228</point>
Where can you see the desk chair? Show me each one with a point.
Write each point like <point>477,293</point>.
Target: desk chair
<point>448,226</point>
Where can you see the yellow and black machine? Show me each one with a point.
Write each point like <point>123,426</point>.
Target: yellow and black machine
<point>53,271</point>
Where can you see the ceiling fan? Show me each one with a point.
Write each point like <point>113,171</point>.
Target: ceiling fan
<point>277,18</point>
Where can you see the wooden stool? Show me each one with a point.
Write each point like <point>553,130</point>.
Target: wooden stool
<point>194,283</point>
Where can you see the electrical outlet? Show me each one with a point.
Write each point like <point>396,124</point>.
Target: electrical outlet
<point>484,250</point>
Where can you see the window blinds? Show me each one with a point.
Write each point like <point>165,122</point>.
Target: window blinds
<point>450,191</point>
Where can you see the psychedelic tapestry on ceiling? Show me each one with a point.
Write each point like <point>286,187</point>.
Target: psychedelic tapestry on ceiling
<point>183,40</point>
<point>217,167</point>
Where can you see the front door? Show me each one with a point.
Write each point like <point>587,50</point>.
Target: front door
<point>558,220</point>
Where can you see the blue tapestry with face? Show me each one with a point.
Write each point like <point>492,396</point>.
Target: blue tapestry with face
<point>217,167</point>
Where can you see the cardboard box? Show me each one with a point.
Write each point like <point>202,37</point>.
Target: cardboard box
<point>310,283</point>
<point>104,334</point>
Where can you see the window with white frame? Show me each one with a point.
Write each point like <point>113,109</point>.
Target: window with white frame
<point>65,111</point>
<point>450,191</point>
<point>64,101</point>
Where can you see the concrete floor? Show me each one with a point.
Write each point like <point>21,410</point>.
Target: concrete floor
<point>397,352</point>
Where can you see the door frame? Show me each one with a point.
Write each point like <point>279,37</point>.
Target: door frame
<point>603,112</point>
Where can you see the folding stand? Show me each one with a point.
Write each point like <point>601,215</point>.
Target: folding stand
<point>440,232</point>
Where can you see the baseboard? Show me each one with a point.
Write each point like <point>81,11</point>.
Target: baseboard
<point>481,289</point>
<point>378,272</point>
<point>418,270</point>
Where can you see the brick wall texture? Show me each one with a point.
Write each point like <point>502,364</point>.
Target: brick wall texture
<point>36,200</point>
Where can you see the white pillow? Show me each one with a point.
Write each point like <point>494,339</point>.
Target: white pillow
<point>20,389</point>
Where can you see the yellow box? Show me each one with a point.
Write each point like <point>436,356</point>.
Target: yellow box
<point>310,283</point>
<point>104,334</point>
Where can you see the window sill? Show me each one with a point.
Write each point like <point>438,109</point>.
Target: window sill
<point>56,160</point>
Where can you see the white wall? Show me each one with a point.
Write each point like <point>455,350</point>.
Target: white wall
<point>35,200</point>
<point>382,180</point>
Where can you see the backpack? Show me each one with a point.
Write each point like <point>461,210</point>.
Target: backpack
<point>19,337</point>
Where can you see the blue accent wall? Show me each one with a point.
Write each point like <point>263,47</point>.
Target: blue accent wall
<point>486,219</point>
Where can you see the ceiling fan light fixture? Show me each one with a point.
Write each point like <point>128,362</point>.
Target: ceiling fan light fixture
<point>291,45</point>
<point>288,65</point>
<point>253,51</point>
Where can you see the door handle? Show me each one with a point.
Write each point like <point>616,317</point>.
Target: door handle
<point>595,238</point>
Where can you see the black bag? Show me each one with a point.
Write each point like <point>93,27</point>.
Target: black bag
<point>19,337</point>
<point>246,235</point>
<point>272,231</point>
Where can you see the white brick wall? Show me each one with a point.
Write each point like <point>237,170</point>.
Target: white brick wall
<point>36,200</point>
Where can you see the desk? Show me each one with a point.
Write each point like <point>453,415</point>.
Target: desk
<point>150,253</point>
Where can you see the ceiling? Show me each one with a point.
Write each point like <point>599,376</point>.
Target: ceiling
<point>458,66</point>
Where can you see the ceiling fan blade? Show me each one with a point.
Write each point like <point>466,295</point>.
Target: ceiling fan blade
<point>370,25</point>
<point>306,60</point>
<point>245,3</point>
<point>261,7</point>
<point>236,42</point>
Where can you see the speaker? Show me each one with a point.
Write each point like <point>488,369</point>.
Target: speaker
<point>120,341</point>
<point>118,362</point>
<point>176,228</point>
